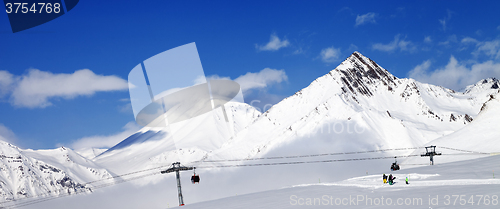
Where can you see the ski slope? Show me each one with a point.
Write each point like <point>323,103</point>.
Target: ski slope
<point>429,187</point>
<point>468,178</point>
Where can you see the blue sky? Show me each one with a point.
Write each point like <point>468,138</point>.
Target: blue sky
<point>281,46</point>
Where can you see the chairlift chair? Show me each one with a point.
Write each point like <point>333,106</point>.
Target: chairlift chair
<point>395,165</point>
<point>195,178</point>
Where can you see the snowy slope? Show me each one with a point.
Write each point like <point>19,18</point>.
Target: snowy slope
<point>426,183</point>
<point>90,152</point>
<point>189,140</point>
<point>480,136</point>
<point>29,173</point>
<point>469,178</point>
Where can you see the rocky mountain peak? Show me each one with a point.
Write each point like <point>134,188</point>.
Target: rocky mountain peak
<point>360,75</point>
<point>489,83</point>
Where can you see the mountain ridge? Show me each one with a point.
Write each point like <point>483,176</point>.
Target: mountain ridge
<point>27,173</point>
<point>354,84</point>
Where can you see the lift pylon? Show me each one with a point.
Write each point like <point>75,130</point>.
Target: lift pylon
<point>176,167</point>
<point>430,151</point>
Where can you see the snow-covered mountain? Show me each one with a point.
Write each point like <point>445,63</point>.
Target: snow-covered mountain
<point>186,141</point>
<point>383,111</point>
<point>357,106</point>
<point>477,139</point>
<point>34,173</point>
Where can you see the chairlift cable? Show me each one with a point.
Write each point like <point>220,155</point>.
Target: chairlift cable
<point>305,156</point>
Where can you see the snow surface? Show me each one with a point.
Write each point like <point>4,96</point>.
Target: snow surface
<point>468,178</point>
<point>425,183</point>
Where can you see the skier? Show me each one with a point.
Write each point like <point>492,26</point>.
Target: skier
<point>407,180</point>
<point>384,177</point>
<point>391,179</point>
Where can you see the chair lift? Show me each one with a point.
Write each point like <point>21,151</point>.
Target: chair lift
<point>395,165</point>
<point>195,178</point>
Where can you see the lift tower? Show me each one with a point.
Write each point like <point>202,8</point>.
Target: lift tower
<point>176,167</point>
<point>430,151</point>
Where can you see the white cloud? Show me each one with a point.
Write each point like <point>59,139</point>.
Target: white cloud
<point>6,81</point>
<point>352,48</point>
<point>451,39</point>
<point>36,88</point>
<point>126,108</point>
<point>299,51</point>
<point>402,45</point>
<point>469,40</point>
<point>6,134</point>
<point>274,44</point>
<point>444,21</point>
<point>427,39</point>
<point>105,141</point>
<point>489,48</point>
<point>366,18</point>
<point>393,45</point>
<point>262,79</point>
<point>217,77</point>
<point>330,54</point>
<point>455,75</point>
<point>479,32</point>
<point>421,69</point>
<point>259,80</point>
<point>498,28</point>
